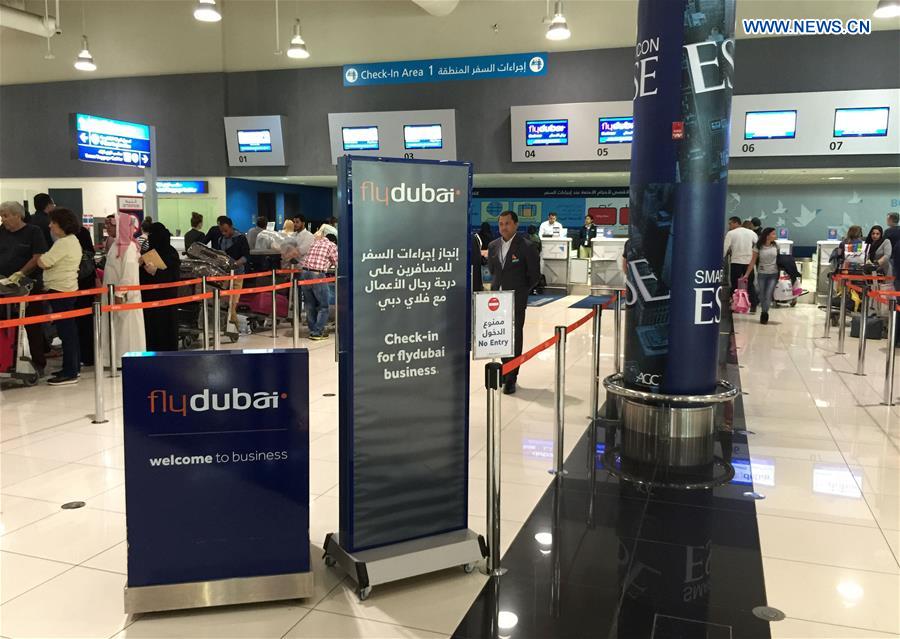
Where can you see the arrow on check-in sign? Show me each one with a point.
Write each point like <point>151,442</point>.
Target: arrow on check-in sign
<point>84,137</point>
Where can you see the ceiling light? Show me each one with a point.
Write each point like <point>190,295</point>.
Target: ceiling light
<point>887,9</point>
<point>507,620</point>
<point>298,48</point>
<point>84,61</point>
<point>559,29</point>
<point>836,177</point>
<point>206,11</point>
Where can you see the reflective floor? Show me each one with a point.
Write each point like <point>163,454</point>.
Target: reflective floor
<point>822,546</point>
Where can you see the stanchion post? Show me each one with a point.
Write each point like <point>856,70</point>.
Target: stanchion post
<point>113,368</point>
<point>217,320</point>
<point>594,391</point>
<point>863,317</point>
<point>617,335</point>
<point>295,319</point>
<point>205,309</point>
<point>274,311</point>
<point>560,403</point>
<point>891,352</point>
<point>99,412</point>
<point>492,376</point>
<point>842,319</point>
<point>828,306</point>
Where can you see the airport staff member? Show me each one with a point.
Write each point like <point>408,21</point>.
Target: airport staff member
<point>552,228</point>
<point>741,243</point>
<point>261,223</point>
<point>515,266</point>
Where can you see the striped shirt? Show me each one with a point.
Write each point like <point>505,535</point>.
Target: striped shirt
<point>322,255</point>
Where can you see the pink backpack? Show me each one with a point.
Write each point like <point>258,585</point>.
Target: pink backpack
<point>740,299</point>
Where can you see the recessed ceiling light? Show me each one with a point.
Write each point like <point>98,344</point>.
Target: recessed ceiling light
<point>836,177</point>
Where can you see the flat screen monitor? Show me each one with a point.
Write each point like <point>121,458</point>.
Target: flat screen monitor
<point>422,136</point>
<point>254,140</point>
<point>360,138</point>
<point>546,132</point>
<point>864,122</point>
<point>616,130</point>
<point>770,125</point>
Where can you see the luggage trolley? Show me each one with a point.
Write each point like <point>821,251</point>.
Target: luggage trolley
<point>15,358</point>
<point>202,261</point>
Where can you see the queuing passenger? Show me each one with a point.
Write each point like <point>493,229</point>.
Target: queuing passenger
<point>851,253</point>
<point>892,234</point>
<point>319,263</point>
<point>305,239</point>
<point>195,234</point>
<point>879,252</point>
<point>514,266</point>
<point>586,234</point>
<point>233,243</point>
<point>214,233</point>
<point>87,279</point>
<point>144,237</point>
<point>43,204</point>
<point>767,268</point>
<point>109,228</point>
<point>747,224</point>
<point>60,265</point>
<point>123,269</point>
<point>741,242</point>
<point>288,228</point>
<point>551,228</point>
<point>756,226</point>
<point>160,324</point>
<point>21,245</point>
<point>261,224</point>
<point>486,234</point>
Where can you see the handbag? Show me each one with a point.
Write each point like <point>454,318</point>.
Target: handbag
<point>86,268</point>
<point>740,298</point>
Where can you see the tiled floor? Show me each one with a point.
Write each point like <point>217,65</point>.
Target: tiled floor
<point>826,458</point>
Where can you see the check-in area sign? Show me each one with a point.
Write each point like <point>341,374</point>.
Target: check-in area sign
<point>111,141</point>
<point>494,325</point>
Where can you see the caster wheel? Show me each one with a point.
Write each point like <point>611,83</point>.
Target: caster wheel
<point>233,338</point>
<point>469,568</point>
<point>329,561</point>
<point>31,380</point>
<point>364,593</point>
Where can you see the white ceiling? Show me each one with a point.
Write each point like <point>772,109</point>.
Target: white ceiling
<point>738,177</point>
<point>155,37</point>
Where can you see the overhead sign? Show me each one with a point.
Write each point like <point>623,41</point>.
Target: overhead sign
<point>515,65</point>
<point>109,141</point>
<point>403,325</point>
<point>176,187</point>
<point>130,203</point>
<point>217,471</point>
<point>493,331</point>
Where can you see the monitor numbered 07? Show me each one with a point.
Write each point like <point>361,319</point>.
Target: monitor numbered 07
<point>616,130</point>
<point>254,140</point>
<point>546,132</point>
<point>861,122</point>
<point>360,138</point>
<point>770,125</point>
<point>422,136</point>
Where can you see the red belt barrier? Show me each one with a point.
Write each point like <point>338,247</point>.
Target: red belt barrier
<point>245,276</point>
<point>321,280</point>
<point>50,296</point>
<point>155,287</point>
<point>255,289</point>
<point>49,317</point>
<point>156,304</point>
<point>860,278</point>
<point>573,327</point>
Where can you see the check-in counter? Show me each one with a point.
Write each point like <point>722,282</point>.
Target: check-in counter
<point>824,249</point>
<point>785,247</point>
<point>606,263</point>
<point>555,253</point>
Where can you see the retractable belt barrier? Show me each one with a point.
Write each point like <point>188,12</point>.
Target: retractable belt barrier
<point>156,287</point>
<point>49,317</point>
<point>43,297</point>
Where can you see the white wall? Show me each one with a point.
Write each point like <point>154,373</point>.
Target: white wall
<point>98,195</point>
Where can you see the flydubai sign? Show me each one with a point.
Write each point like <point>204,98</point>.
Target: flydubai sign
<point>165,402</point>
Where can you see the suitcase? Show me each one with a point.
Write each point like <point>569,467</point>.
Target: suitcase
<point>874,327</point>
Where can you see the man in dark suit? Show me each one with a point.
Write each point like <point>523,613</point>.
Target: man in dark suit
<point>515,266</point>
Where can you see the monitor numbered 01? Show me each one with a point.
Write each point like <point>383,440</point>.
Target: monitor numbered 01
<point>770,125</point>
<point>422,136</point>
<point>861,122</point>
<point>360,138</point>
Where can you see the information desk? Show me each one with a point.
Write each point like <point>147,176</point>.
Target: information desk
<point>555,253</point>
<point>824,249</point>
<point>606,263</point>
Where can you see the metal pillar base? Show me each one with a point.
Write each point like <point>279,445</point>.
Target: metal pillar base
<point>369,568</point>
<point>219,592</point>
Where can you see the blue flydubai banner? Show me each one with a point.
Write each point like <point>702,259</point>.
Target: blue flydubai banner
<point>216,465</point>
<point>514,65</point>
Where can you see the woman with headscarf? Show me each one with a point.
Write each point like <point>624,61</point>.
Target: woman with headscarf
<point>878,255</point>
<point>122,269</point>
<point>160,324</point>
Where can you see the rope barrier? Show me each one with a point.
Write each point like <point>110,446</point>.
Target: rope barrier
<point>245,276</point>
<point>49,317</point>
<point>51,296</point>
<point>256,289</point>
<point>156,287</point>
<point>870,278</point>
<point>134,306</point>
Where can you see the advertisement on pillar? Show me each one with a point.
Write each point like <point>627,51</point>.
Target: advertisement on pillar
<point>683,73</point>
<point>403,313</point>
<point>216,465</point>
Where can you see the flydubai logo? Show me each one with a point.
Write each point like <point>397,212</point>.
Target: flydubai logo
<point>162,401</point>
<point>387,195</point>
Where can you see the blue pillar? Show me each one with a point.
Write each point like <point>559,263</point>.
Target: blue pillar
<point>683,73</point>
